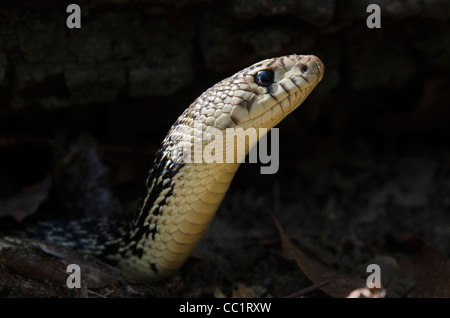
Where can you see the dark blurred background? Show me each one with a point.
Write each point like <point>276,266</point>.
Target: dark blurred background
<point>367,155</point>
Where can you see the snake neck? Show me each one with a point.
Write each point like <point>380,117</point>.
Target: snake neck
<point>179,202</point>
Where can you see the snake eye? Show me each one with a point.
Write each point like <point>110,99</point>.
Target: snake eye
<point>264,78</point>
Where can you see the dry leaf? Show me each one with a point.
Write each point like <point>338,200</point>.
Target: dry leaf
<point>340,285</point>
<point>428,267</point>
<point>41,269</point>
<point>93,277</point>
<point>392,277</point>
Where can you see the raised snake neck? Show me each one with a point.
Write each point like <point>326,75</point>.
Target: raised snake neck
<point>181,198</point>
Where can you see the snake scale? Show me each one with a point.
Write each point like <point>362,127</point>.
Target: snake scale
<point>181,198</point>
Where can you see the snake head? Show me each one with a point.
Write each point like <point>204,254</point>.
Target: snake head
<point>250,102</point>
<point>261,95</point>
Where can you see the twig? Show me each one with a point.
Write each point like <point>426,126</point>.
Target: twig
<point>308,289</point>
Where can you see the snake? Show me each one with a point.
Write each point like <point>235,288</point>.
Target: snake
<point>182,196</point>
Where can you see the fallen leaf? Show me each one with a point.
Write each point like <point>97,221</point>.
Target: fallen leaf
<point>397,285</point>
<point>93,277</point>
<point>340,285</point>
<point>428,267</point>
<point>41,269</point>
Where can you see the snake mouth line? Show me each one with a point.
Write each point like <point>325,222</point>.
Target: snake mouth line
<point>269,124</point>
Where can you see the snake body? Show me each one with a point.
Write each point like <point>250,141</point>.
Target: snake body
<point>181,198</point>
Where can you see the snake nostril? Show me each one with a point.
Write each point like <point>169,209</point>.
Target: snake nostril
<point>303,68</point>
